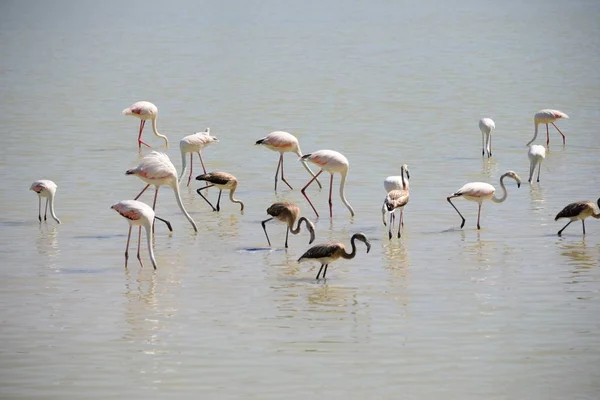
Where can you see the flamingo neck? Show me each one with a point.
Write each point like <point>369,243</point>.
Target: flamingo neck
<point>155,130</point>
<point>233,200</point>
<point>183,163</point>
<point>342,195</point>
<point>296,230</point>
<point>403,182</point>
<point>149,237</point>
<point>504,192</point>
<point>351,255</point>
<point>534,134</point>
<point>175,187</point>
<point>52,213</point>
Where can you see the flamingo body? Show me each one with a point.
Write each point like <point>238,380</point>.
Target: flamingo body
<point>194,144</point>
<point>332,162</point>
<point>396,199</point>
<point>396,182</point>
<point>283,142</point>
<point>223,181</point>
<point>548,116</point>
<point>46,189</point>
<point>578,211</point>
<point>486,126</point>
<point>536,155</point>
<point>144,110</point>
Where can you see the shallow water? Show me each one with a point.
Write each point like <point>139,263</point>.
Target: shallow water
<point>509,311</point>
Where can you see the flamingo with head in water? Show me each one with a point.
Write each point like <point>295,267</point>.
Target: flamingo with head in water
<point>548,116</point>
<point>144,110</point>
<point>47,189</point>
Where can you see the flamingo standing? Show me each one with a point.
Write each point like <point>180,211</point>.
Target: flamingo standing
<point>47,189</point>
<point>536,154</point>
<point>396,199</point>
<point>396,182</point>
<point>288,212</point>
<point>486,126</point>
<point>332,162</point>
<point>481,191</point>
<point>194,144</point>
<point>139,214</point>
<point>329,252</point>
<point>579,210</point>
<point>145,110</point>
<point>221,180</point>
<point>284,142</point>
<point>157,169</point>
<point>547,116</point>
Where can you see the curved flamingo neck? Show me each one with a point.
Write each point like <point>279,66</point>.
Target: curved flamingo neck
<point>175,187</point>
<point>534,134</point>
<point>155,130</point>
<point>183,164</point>
<point>149,234</point>
<point>52,213</point>
<point>233,200</point>
<point>342,194</point>
<point>504,192</point>
<point>351,255</point>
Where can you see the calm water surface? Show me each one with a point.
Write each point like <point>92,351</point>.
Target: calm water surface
<point>507,312</point>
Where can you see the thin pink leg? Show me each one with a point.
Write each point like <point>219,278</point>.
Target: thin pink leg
<point>330,203</point>
<point>564,139</point>
<point>478,215</point>
<point>282,177</point>
<point>143,190</point>
<point>547,136</point>
<point>277,170</point>
<point>155,196</point>
<point>127,246</point>
<point>307,185</point>
<point>140,141</point>
<point>202,162</point>
<point>191,167</point>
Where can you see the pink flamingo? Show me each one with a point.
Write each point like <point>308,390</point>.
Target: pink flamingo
<point>157,169</point>
<point>332,162</point>
<point>547,116</point>
<point>194,144</point>
<point>284,142</point>
<point>47,189</point>
<point>139,214</point>
<point>145,110</point>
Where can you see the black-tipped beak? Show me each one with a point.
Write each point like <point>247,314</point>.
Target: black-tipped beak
<point>518,184</point>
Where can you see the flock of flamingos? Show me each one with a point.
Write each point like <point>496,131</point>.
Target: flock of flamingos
<point>157,169</point>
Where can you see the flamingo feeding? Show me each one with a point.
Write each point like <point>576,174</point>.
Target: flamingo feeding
<point>396,199</point>
<point>486,126</point>
<point>221,180</point>
<point>481,191</point>
<point>157,169</point>
<point>194,144</point>
<point>536,154</point>
<point>329,252</point>
<point>139,214</point>
<point>47,189</point>
<point>284,142</point>
<point>332,162</point>
<point>579,210</point>
<point>547,116</point>
<point>288,213</point>
<point>144,110</point>
<point>396,182</point>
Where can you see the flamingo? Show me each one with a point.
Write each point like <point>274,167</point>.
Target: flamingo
<point>536,155</point>
<point>481,191</point>
<point>139,214</point>
<point>47,189</point>
<point>284,142</point>
<point>396,182</point>
<point>486,126</point>
<point>332,162</point>
<point>579,210</point>
<point>194,144</point>
<point>145,110</point>
<point>396,199</point>
<point>157,169</point>
<point>547,116</point>
<point>221,180</point>
<point>288,213</point>
<point>329,252</point>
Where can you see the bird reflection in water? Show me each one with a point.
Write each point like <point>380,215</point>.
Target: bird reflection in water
<point>489,167</point>
<point>578,255</point>
<point>47,243</point>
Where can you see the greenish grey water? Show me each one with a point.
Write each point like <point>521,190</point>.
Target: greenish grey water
<point>510,311</point>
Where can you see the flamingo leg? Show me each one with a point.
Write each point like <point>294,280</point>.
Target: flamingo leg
<point>304,193</point>
<point>490,153</point>
<point>166,223</point>
<point>219,200</point>
<point>560,232</point>
<point>583,224</point>
<point>287,232</point>
<point>140,245</point>
<point>191,168</point>
<point>539,170</point>
<point>283,177</point>
<point>277,170</point>
<point>548,135</point>
<point>142,192</point>
<point>201,195</point>
<point>320,269</point>
<point>391,224</point>
<point>140,141</point>
<point>402,216</point>
<point>154,202</point>
<point>40,208</point>
<point>401,224</point>
<point>127,246</point>
<point>450,201</point>
<point>263,223</point>
<point>325,270</point>
<point>330,203</point>
<point>478,215</point>
<point>46,210</point>
<point>563,136</point>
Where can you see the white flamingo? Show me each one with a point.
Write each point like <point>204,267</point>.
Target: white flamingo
<point>332,162</point>
<point>284,142</point>
<point>144,110</point>
<point>547,116</point>
<point>194,144</point>
<point>396,182</point>
<point>47,189</point>
<point>481,191</point>
<point>536,154</point>
<point>486,126</point>
<point>157,169</point>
